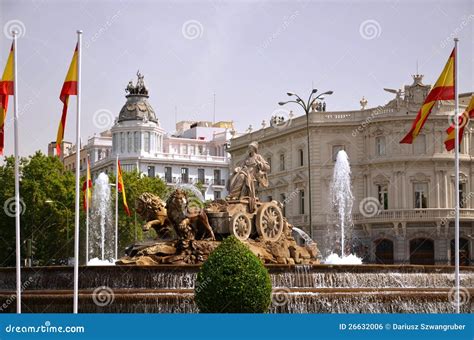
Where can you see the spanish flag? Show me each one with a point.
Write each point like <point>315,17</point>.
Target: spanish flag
<point>463,120</point>
<point>87,187</point>
<point>442,90</point>
<point>69,89</point>
<point>6,89</point>
<point>121,188</point>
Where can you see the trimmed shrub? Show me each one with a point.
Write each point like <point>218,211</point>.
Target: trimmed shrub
<point>233,280</point>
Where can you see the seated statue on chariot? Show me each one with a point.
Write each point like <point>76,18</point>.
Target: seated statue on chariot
<point>249,173</point>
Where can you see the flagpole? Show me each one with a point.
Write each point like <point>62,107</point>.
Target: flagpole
<point>116,206</point>
<point>78,174</point>
<point>456,169</point>
<point>17,175</point>
<point>86,197</point>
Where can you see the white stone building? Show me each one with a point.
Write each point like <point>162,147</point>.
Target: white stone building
<point>410,186</point>
<point>195,153</point>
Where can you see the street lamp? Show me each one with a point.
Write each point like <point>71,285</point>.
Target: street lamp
<point>307,107</point>
<point>67,215</point>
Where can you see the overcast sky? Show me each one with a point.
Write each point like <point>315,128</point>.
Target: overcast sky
<point>249,53</point>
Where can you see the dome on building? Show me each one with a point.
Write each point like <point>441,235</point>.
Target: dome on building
<point>137,106</point>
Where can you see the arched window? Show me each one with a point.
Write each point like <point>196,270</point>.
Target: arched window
<point>383,251</point>
<point>463,252</point>
<point>300,157</point>
<point>422,251</point>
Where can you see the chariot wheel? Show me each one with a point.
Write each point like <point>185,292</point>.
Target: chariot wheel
<point>269,221</point>
<point>241,226</point>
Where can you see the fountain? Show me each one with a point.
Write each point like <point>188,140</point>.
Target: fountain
<point>101,232</point>
<point>161,278</point>
<point>342,200</point>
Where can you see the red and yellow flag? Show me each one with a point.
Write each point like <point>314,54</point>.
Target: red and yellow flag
<point>442,90</point>
<point>87,187</point>
<point>69,89</point>
<point>463,120</point>
<point>6,89</point>
<point>121,188</point>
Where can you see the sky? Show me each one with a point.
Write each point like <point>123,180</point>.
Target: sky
<point>247,53</point>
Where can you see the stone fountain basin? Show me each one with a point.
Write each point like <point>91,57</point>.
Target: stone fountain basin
<point>297,289</point>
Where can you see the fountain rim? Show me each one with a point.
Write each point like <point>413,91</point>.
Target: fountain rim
<point>368,268</point>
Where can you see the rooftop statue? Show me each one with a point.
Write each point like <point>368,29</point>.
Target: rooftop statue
<point>139,88</point>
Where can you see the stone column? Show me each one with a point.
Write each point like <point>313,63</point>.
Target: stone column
<point>404,189</point>
<point>438,201</point>
<point>446,193</point>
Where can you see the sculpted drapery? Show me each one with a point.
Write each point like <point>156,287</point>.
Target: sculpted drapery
<point>251,171</point>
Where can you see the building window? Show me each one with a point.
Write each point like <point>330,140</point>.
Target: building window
<point>383,196</point>
<point>380,145</point>
<point>462,195</point>
<point>130,141</point>
<point>384,251</point>
<point>419,145</point>
<point>217,177</point>
<point>184,175</point>
<point>282,162</point>
<point>147,142</point>
<point>168,174</point>
<point>301,202</point>
<point>137,141</point>
<point>421,195</point>
<point>422,251</point>
<point>122,142</point>
<point>217,195</point>
<point>335,150</point>
<point>151,171</point>
<point>301,157</point>
<point>200,150</point>
<point>463,252</point>
<point>114,142</point>
<point>201,176</point>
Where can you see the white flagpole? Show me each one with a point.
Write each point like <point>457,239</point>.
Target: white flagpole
<point>17,174</point>
<point>87,210</point>
<point>116,206</point>
<point>78,174</point>
<point>456,169</point>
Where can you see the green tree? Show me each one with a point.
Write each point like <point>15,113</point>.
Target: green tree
<point>42,179</point>
<point>47,193</point>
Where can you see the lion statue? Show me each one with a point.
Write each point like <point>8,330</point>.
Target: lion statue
<point>153,210</point>
<point>188,217</point>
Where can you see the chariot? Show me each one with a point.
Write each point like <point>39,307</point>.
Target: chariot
<point>245,220</point>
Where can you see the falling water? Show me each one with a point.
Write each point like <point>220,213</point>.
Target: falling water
<point>101,233</point>
<point>342,200</point>
<point>296,289</point>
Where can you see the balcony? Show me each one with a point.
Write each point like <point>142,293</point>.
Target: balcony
<point>412,215</point>
<point>218,182</point>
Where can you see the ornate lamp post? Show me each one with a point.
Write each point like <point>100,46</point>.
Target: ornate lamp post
<point>307,107</point>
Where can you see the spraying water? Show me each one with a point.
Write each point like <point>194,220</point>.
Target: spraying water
<point>102,238</point>
<point>342,200</point>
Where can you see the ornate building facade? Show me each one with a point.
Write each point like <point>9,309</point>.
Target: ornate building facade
<point>194,154</point>
<point>403,194</point>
